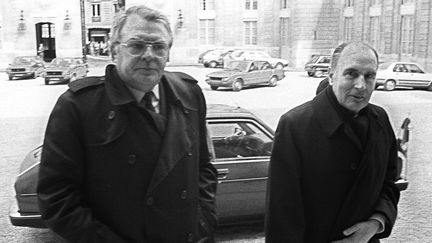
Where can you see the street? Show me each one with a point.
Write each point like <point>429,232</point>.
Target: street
<point>26,104</point>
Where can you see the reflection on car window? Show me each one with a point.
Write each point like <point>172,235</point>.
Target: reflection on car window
<point>413,68</point>
<point>239,139</point>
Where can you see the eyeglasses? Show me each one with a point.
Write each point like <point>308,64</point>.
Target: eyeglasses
<point>138,48</point>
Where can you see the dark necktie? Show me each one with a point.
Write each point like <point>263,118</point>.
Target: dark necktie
<point>147,101</point>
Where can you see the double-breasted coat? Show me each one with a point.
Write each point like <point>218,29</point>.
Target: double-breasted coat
<point>108,175</point>
<point>322,180</point>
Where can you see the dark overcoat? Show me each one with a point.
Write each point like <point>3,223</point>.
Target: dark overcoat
<point>95,160</point>
<point>322,181</point>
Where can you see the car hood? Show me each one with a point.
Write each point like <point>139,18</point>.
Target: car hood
<point>224,74</point>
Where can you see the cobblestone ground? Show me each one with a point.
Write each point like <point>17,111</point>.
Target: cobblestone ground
<point>25,105</point>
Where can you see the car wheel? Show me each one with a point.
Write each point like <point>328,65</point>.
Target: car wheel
<point>237,85</point>
<point>205,64</point>
<point>46,81</point>
<point>273,81</point>
<point>212,64</point>
<point>310,74</point>
<point>319,74</point>
<point>279,65</point>
<point>389,85</point>
<point>213,87</point>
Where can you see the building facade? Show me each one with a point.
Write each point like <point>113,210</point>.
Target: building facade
<point>25,25</point>
<point>398,29</point>
<point>290,29</point>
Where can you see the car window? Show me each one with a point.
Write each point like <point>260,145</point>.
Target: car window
<point>412,68</point>
<point>237,54</point>
<point>400,68</point>
<point>324,60</point>
<point>239,139</point>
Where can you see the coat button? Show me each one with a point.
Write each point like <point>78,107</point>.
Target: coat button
<point>183,194</point>
<point>189,154</point>
<point>111,115</point>
<point>353,166</point>
<point>131,159</point>
<point>186,111</point>
<point>190,237</point>
<point>149,201</point>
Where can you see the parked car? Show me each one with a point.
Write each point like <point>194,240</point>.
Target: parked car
<point>215,58</point>
<point>239,74</point>
<point>240,150</point>
<point>25,66</point>
<point>66,69</point>
<point>200,57</point>
<point>256,55</point>
<point>403,74</point>
<point>318,66</point>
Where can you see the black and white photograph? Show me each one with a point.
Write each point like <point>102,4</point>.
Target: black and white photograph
<point>232,121</point>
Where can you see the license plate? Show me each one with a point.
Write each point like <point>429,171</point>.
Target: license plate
<point>54,79</point>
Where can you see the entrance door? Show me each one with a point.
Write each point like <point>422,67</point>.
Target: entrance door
<point>45,35</point>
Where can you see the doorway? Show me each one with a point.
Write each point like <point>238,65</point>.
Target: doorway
<point>45,35</point>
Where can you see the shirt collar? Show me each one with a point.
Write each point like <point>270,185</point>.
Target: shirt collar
<point>139,94</point>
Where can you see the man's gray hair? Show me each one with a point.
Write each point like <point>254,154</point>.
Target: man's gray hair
<point>338,51</point>
<point>145,13</point>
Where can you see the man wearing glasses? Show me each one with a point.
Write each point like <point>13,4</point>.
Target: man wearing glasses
<point>125,156</point>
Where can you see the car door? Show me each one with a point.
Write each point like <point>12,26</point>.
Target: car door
<point>241,151</point>
<point>417,77</point>
<point>401,74</point>
<point>256,75</point>
<point>248,76</point>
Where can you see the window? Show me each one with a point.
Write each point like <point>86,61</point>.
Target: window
<point>207,4</point>
<point>250,32</point>
<point>251,4</point>
<point>284,4</point>
<point>407,34</point>
<point>412,68</point>
<point>348,26</point>
<point>400,68</point>
<point>375,2</point>
<point>349,3</point>
<point>96,10</point>
<point>374,31</point>
<point>207,31</point>
<point>285,31</point>
<point>239,139</point>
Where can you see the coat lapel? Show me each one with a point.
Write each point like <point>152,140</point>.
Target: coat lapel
<point>177,139</point>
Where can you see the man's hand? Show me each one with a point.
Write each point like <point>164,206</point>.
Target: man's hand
<point>361,232</point>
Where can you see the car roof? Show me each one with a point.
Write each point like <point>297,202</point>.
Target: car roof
<point>222,110</point>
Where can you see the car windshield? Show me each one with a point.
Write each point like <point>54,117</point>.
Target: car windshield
<point>236,65</point>
<point>383,66</point>
<point>61,62</point>
<point>23,60</point>
<point>314,59</point>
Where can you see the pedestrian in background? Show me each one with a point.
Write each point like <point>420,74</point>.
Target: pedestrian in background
<point>41,51</point>
<point>125,156</point>
<point>333,165</point>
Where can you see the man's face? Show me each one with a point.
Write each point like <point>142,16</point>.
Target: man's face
<point>354,77</point>
<point>144,71</point>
